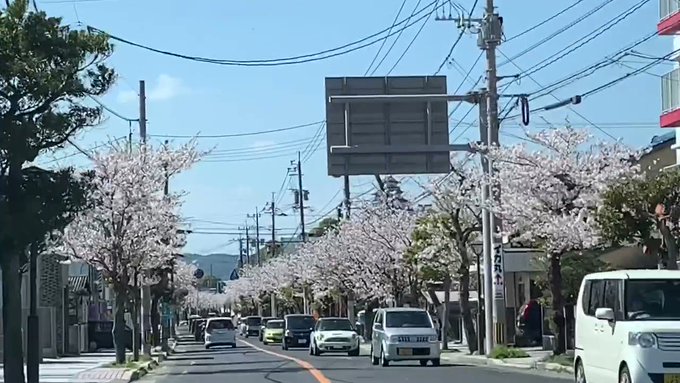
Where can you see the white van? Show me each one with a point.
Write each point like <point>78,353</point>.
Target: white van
<point>628,327</point>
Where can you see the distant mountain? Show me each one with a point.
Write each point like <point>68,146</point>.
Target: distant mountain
<point>222,264</point>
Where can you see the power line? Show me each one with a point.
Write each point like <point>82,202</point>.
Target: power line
<point>323,55</point>
<point>549,19</point>
<point>108,109</point>
<point>413,40</point>
<point>584,40</point>
<point>455,43</point>
<point>377,54</point>
<point>558,32</point>
<point>243,134</point>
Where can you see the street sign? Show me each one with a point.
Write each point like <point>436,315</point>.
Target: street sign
<point>199,273</point>
<point>498,274</point>
<point>393,135</point>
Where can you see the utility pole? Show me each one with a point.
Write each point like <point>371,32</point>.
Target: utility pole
<point>240,252</point>
<point>348,203</point>
<point>300,200</point>
<point>33,346</point>
<point>492,32</point>
<point>272,296</point>
<point>146,290</point>
<point>166,322</point>
<point>257,234</point>
<point>247,245</point>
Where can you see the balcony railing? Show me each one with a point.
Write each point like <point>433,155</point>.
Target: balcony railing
<point>668,8</point>
<point>670,91</point>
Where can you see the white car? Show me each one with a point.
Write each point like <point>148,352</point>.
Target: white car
<point>628,327</point>
<point>220,332</point>
<point>334,335</point>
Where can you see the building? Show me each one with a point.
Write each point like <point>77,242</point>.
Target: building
<point>669,25</point>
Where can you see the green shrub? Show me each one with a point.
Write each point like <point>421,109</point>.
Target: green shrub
<point>503,352</point>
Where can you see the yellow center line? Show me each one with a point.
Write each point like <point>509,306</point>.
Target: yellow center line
<point>318,375</point>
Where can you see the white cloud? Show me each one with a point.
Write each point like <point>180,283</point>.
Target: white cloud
<point>165,88</point>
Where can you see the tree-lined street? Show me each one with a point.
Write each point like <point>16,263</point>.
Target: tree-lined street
<point>250,364</point>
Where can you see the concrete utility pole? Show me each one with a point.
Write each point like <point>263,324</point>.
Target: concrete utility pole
<point>272,297</point>
<point>166,322</point>
<point>302,196</point>
<point>146,290</point>
<point>348,203</point>
<point>247,245</point>
<point>257,234</point>
<point>240,252</point>
<point>492,32</point>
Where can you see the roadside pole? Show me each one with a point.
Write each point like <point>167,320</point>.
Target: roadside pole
<point>146,290</point>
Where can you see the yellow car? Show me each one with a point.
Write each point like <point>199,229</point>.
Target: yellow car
<point>273,332</point>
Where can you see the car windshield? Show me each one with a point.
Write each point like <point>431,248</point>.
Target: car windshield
<point>253,321</point>
<point>275,324</point>
<point>408,319</point>
<point>220,324</point>
<point>266,320</point>
<point>335,325</point>
<point>300,322</point>
<point>653,299</point>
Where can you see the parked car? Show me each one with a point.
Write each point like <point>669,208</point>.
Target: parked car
<point>273,331</point>
<point>263,326</point>
<point>402,333</point>
<point>628,327</point>
<point>219,332</point>
<point>297,330</point>
<point>334,335</point>
<point>100,334</point>
<point>253,324</point>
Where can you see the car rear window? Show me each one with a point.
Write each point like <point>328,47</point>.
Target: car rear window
<point>275,324</point>
<point>254,321</point>
<point>220,324</point>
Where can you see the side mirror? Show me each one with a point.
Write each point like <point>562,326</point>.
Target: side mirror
<point>604,314</point>
<point>377,326</point>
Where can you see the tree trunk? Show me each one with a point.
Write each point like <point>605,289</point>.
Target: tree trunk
<point>671,248</point>
<point>119,324</point>
<point>464,300</point>
<point>445,313</point>
<point>557,304</point>
<point>13,355</point>
<point>136,327</point>
<point>155,322</point>
<point>368,330</point>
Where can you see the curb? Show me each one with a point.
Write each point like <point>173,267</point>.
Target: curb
<point>143,370</point>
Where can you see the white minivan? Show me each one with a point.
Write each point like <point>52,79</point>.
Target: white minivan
<point>628,327</point>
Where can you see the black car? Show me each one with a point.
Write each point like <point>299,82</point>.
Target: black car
<point>253,324</point>
<point>297,330</point>
<point>100,334</point>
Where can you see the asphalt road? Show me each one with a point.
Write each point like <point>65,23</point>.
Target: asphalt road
<point>269,364</point>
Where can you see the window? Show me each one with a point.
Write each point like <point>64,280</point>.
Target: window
<point>275,324</point>
<point>652,299</point>
<point>300,322</point>
<point>377,318</point>
<point>415,319</point>
<point>612,297</point>
<point>335,325</point>
<point>585,302</point>
<point>596,296</point>
<point>221,324</point>
<point>253,321</point>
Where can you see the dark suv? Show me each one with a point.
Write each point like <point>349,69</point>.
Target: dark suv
<point>297,330</point>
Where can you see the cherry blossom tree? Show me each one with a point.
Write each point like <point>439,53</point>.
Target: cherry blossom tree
<point>443,239</point>
<point>131,225</point>
<point>550,192</point>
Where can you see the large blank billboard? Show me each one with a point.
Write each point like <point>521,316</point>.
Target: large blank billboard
<point>375,127</point>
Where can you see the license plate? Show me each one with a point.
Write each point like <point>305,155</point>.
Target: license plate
<point>303,341</point>
<point>409,352</point>
<point>671,378</point>
<point>340,348</point>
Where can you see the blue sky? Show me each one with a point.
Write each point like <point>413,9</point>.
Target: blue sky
<point>188,97</point>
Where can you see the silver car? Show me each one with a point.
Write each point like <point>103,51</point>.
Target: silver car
<point>404,334</point>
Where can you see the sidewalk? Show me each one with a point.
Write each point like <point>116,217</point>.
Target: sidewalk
<point>66,369</point>
<point>458,354</point>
